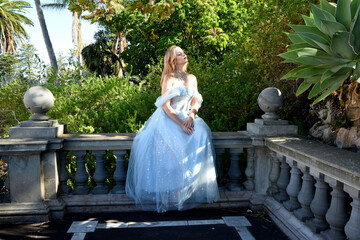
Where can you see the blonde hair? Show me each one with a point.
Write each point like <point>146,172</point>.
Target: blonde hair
<point>169,64</point>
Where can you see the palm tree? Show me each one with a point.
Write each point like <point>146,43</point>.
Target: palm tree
<point>46,36</point>
<point>99,57</point>
<point>11,20</point>
<point>76,23</point>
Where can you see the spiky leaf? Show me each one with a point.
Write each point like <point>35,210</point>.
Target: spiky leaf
<point>310,72</point>
<point>355,31</point>
<point>327,92</point>
<point>343,13</point>
<point>308,21</point>
<point>311,31</point>
<point>315,90</point>
<point>299,46</point>
<point>292,74</point>
<point>357,70</point>
<point>294,38</point>
<point>303,87</point>
<point>324,47</point>
<point>320,14</point>
<point>330,28</point>
<point>340,76</point>
<point>355,4</point>
<point>325,5</point>
<point>340,45</point>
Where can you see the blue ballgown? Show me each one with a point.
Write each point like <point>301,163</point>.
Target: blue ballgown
<point>168,169</point>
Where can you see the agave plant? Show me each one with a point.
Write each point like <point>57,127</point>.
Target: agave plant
<point>326,48</point>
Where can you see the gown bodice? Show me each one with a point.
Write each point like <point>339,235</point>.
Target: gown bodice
<point>180,99</point>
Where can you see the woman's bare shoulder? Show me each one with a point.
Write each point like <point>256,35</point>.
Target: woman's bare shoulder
<point>167,84</point>
<point>192,80</point>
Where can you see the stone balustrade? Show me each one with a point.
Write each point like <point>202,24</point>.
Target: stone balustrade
<point>51,159</point>
<point>318,185</point>
<point>310,190</point>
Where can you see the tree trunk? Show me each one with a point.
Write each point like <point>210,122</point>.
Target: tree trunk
<point>46,36</point>
<point>120,40</point>
<point>76,34</point>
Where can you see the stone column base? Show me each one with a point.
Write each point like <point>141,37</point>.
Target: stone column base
<point>15,213</point>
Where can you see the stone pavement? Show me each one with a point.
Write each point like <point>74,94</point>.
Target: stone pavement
<point>196,224</point>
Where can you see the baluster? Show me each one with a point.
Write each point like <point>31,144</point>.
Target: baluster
<point>218,167</point>
<point>234,171</point>
<point>81,176</point>
<point>293,188</point>
<point>2,195</point>
<point>64,174</point>
<point>250,171</point>
<point>274,174</point>
<point>336,216</point>
<point>319,206</point>
<point>120,172</point>
<point>305,197</point>
<point>283,181</point>
<point>352,228</point>
<point>100,174</point>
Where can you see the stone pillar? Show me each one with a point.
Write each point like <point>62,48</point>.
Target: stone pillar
<point>270,100</point>
<point>234,171</point>
<point>33,170</point>
<point>120,172</point>
<point>352,228</point>
<point>250,170</point>
<point>293,188</point>
<point>283,181</point>
<point>100,174</point>
<point>26,181</point>
<point>274,174</point>
<point>336,216</point>
<point>319,205</point>
<point>305,196</point>
<point>51,177</point>
<point>81,176</point>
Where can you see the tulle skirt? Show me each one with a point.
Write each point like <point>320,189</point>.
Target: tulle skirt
<point>170,170</point>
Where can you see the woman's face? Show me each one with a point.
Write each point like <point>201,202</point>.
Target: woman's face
<point>181,57</point>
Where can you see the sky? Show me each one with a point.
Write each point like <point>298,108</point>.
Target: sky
<point>59,24</point>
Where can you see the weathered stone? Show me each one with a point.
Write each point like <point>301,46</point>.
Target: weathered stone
<point>336,216</point>
<point>270,100</point>
<point>39,100</point>
<point>271,130</point>
<point>234,171</point>
<point>318,131</point>
<point>346,138</point>
<point>250,171</point>
<point>329,135</point>
<point>36,132</point>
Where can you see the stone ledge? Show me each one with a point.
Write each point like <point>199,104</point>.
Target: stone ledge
<point>271,130</point>
<point>13,146</point>
<point>341,165</point>
<point>121,202</point>
<point>23,213</point>
<point>287,222</point>
<point>36,132</point>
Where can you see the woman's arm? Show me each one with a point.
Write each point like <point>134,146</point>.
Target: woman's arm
<point>170,111</point>
<point>189,122</point>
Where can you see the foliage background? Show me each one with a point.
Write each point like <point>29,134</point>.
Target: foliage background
<point>233,49</point>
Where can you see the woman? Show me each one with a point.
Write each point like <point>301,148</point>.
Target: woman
<point>171,164</point>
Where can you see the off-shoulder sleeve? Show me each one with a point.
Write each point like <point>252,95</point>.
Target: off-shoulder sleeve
<point>171,93</point>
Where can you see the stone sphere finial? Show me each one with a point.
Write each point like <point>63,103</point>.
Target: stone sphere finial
<point>270,100</point>
<point>39,100</point>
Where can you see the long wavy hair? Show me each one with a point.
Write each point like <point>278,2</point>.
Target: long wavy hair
<point>169,64</point>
